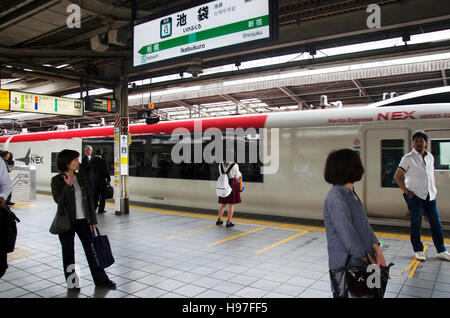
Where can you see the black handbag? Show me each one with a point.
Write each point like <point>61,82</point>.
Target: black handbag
<point>61,223</point>
<point>108,191</point>
<point>358,281</point>
<point>101,250</point>
<point>9,229</point>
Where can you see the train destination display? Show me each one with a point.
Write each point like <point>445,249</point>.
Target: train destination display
<point>44,104</point>
<point>100,104</point>
<point>212,25</point>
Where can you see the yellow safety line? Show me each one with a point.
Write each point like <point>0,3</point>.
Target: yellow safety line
<point>190,232</point>
<point>280,242</point>
<point>261,222</point>
<point>237,236</point>
<point>411,275</point>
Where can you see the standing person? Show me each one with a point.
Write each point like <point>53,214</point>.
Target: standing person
<point>232,169</point>
<point>349,234</point>
<point>6,155</point>
<point>100,175</point>
<point>85,166</point>
<point>5,191</point>
<point>71,192</point>
<point>419,191</point>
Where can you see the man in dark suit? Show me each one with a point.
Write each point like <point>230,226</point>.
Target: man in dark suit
<point>85,166</point>
<point>99,168</point>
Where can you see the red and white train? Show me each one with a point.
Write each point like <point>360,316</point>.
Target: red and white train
<point>381,132</point>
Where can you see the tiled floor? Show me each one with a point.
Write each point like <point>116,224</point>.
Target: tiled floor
<point>170,255</point>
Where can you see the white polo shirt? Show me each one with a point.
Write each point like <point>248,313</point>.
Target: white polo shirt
<point>419,174</point>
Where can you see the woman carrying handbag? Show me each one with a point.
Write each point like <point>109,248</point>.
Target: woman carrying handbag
<point>75,214</point>
<point>351,241</point>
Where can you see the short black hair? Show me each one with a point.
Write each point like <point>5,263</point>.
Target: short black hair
<point>4,153</point>
<point>343,166</point>
<point>64,158</point>
<point>98,152</point>
<point>420,133</point>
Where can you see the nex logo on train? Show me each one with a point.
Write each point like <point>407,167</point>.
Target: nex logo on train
<point>396,115</point>
<point>33,159</point>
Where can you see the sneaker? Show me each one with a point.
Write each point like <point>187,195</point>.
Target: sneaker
<point>219,222</point>
<point>420,256</point>
<point>230,224</point>
<point>444,256</point>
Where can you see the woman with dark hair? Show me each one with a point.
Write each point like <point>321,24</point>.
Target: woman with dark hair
<point>71,192</point>
<point>349,234</point>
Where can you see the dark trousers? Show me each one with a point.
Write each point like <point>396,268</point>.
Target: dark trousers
<point>82,228</point>
<point>3,263</point>
<point>98,195</point>
<point>415,206</point>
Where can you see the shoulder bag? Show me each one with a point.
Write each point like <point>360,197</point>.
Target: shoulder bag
<point>359,281</point>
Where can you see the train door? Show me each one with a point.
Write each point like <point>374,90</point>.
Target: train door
<point>439,146</point>
<point>385,148</point>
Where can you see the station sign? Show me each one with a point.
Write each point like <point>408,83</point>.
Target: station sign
<point>209,27</point>
<point>4,100</point>
<point>45,104</point>
<point>101,104</point>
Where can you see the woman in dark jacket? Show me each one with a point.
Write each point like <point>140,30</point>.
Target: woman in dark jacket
<point>349,234</point>
<point>71,193</point>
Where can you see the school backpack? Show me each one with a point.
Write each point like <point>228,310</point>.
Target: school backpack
<point>223,188</point>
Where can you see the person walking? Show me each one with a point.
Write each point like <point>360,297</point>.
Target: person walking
<point>349,234</point>
<point>100,175</point>
<point>232,170</point>
<point>71,192</point>
<point>5,191</point>
<point>419,192</point>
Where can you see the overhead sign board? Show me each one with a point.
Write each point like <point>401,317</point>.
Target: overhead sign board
<point>44,104</point>
<point>100,104</point>
<point>4,100</point>
<point>209,27</point>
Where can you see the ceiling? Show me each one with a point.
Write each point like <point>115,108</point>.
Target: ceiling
<point>39,53</point>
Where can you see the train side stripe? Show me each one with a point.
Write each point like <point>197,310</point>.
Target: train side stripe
<point>222,123</point>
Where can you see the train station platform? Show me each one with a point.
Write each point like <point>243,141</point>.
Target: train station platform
<point>174,254</point>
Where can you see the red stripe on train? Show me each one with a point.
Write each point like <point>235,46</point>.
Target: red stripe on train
<point>245,122</point>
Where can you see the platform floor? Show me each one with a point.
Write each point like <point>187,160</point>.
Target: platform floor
<point>162,253</point>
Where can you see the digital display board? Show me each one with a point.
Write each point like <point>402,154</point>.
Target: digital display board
<point>100,104</point>
<point>208,27</point>
<point>45,104</point>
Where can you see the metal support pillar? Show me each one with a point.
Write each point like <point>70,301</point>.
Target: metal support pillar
<point>121,188</point>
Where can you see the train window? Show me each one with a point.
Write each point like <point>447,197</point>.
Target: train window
<point>106,145</point>
<point>441,153</point>
<point>150,157</point>
<point>392,151</point>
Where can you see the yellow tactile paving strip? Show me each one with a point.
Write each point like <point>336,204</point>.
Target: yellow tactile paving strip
<point>18,254</point>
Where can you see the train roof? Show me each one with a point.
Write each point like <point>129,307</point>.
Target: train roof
<point>425,96</point>
<point>425,104</point>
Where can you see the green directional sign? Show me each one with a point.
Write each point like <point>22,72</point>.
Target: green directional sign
<point>206,27</point>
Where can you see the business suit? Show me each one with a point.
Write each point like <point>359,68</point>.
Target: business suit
<point>100,174</point>
<point>64,195</point>
<point>85,168</point>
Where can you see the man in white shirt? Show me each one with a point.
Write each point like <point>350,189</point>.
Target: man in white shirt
<point>419,191</point>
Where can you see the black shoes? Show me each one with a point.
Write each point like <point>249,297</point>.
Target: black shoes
<point>220,222</point>
<point>100,212</point>
<point>230,224</point>
<point>109,284</point>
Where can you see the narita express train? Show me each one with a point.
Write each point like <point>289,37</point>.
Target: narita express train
<point>297,143</point>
